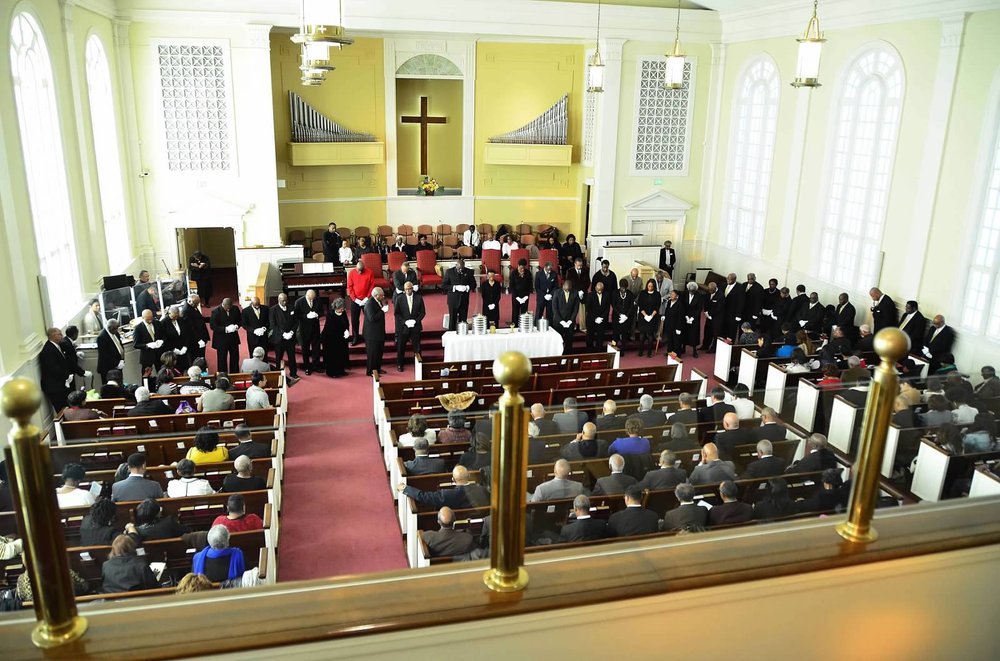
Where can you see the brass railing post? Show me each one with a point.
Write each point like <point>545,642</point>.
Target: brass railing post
<point>510,467</point>
<point>891,344</point>
<point>44,546</point>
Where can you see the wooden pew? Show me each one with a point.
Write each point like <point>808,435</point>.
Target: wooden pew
<point>727,359</point>
<point>540,365</point>
<point>807,401</point>
<point>845,425</point>
<point>118,408</point>
<point>781,387</point>
<point>109,454</point>
<point>937,469</point>
<point>174,424</point>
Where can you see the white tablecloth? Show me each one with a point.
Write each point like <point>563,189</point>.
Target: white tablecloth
<point>489,346</point>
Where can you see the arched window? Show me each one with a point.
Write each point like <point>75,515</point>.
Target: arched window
<point>981,307</point>
<point>866,125</point>
<point>753,128</point>
<point>109,169</point>
<point>44,165</point>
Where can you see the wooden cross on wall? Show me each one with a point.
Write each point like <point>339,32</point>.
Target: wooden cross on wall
<point>423,119</point>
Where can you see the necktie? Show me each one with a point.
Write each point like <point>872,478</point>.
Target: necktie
<point>152,335</point>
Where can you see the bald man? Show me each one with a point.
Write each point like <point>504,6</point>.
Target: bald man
<point>446,541</point>
<point>465,493</point>
<point>884,312</point>
<point>940,340</point>
<point>712,469</point>
<point>374,332</point>
<point>225,323</point>
<point>731,435</point>
<point>256,321</point>
<point>559,486</point>
<point>147,338</point>
<point>55,370</point>
<point>285,325</point>
<point>615,483</point>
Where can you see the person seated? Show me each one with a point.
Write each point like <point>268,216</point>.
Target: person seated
<point>831,378</point>
<point>124,570</point>
<point>187,484</point>
<point>248,446</point>
<point>718,408</point>
<point>98,526</point>
<point>446,541</point>
<point>712,469</point>
<point>146,406</point>
<point>686,414</point>
<point>571,420</point>
<point>766,464</point>
<point>150,525</point>
<point>421,464</point>
<point>744,406</point>
<point>560,486</point>
<point>804,343</point>
<point>938,411</point>
<point>634,443</point>
<point>256,363</point>
<point>586,445</point>
<point>480,455</point>
<point>345,254</point>
<point>615,483</point>
<point>649,416</point>
<point>543,425</point>
<point>256,396</point>
<point>75,409</point>
<point>831,497</point>
<point>236,519</point>
<point>134,485</point>
<point>192,582</point>
<point>909,393</point>
<point>243,479</point>
<point>731,510</point>
<point>786,349</point>
<point>667,476</point>
<point>962,413</point>
<point>455,432</point>
<point>981,435</point>
<point>776,503</point>
<point>416,427</point>
<point>634,519</point>
<point>167,373</point>
<point>747,334</point>
<point>195,385</point>
<point>582,527</point>
<point>217,399</point>
<point>206,448</point>
<point>70,494</point>
<point>799,363</point>
<point>687,516</point>
<point>817,456</point>
<point>770,426</point>
<point>866,340</point>
<point>902,414</point>
<point>113,387</point>
<point>465,493</point>
<point>679,440</point>
<point>609,421</point>
<point>218,561</point>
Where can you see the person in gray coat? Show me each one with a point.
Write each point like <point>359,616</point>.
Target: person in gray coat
<point>712,469</point>
<point>136,486</point>
<point>557,487</point>
<point>570,421</point>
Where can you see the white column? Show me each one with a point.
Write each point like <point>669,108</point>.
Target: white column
<point>939,117</point>
<point>709,166</point>
<point>602,204</point>
<point>796,158</point>
<point>391,173</point>
<point>469,120</point>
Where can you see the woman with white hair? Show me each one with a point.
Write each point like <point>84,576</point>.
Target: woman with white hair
<point>256,363</point>
<point>218,561</point>
<point>194,385</point>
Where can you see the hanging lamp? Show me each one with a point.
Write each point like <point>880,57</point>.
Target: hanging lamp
<point>673,78</point>
<point>595,67</point>
<point>810,48</point>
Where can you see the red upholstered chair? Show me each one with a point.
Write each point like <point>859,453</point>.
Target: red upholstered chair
<point>396,260</point>
<point>373,262</point>
<point>426,261</point>
<point>491,260</point>
<point>517,255</point>
<point>548,255</point>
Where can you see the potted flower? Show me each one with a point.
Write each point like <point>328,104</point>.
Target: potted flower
<point>428,186</point>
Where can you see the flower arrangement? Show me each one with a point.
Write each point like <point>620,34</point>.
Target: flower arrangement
<point>428,186</point>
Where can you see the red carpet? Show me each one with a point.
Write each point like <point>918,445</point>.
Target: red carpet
<point>338,515</point>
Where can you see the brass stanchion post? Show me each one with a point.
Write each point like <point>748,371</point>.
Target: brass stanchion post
<point>510,466</point>
<point>45,549</point>
<point>891,344</point>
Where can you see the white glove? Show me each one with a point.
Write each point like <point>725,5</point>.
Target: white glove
<point>690,320</point>
<point>69,381</point>
<point>774,316</point>
<point>738,318</point>
<point>927,352</point>
<point>155,345</point>
<point>399,291</point>
<point>753,316</point>
<point>647,317</point>
<point>410,323</point>
<point>678,331</point>
<point>708,316</point>
<point>184,350</point>
<point>802,323</point>
<point>491,306</point>
<point>177,352</point>
<point>385,308</point>
<point>312,315</point>
<point>581,295</point>
<point>522,300</point>
<point>598,320</point>
<point>287,335</point>
<point>81,355</point>
<point>259,331</point>
<point>347,335</point>
<point>121,364</point>
<point>548,297</point>
<point>622,318</point>
<point>416,287</point>
<point>361,301</point>
<point>201,344</point>
<point>565,324</point>
<point>767,313</point>
<point>232,328</point>
<point>87,374</point>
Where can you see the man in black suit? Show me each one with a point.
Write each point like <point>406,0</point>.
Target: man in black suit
<point>811,317</point>
<point>374,332</point>
<point>766,464</point>
<point>914,324</point>
<point>770,428</point>
<point>225,322</point>
<point>519,286</point>
<point>110,352</point>
<point>733,296</point>
<point>623,314</point>
<point>605,276</point>
<point>197,327</point>
<point>691,327</point>
<point>719,408</point>
<point>715,317</point>
<point>668,258</point>
<point>491,290</point>
<point>615,483</point>
<point>176,337</point>
<point>884,312</point>
<point>816,458</point>
<point>753,300</point>
<point>401,277</point>
<point>583,527</point>
<point>458,283</point>
<point>409,313</point>
<point>634,519</point>
<point>421,464</point>
<point>667,476</point>
<point>798,304</point>
<point>73,356</point>
<point>687,515</point>
<point>608,421</point>
<point>731,510</point>
<point>55,370</point>
<point>284,323</point>
<point>464,494</point>
<point>649,416</point>
<point>146,337</point>
<point>309,309</point>
<point>940,340</point>
<point>686,414</point>
<point>446,541</point>
<point>256,320</point>
<point>598,316</point>
<point>845,318</point>
<point>147,299</point>
<point>546,289</point>
<point>565,308</point>
<point>731,436</point>
<point>545,426</point>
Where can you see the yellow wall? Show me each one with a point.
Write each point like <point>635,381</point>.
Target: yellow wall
<point>444,141</point>
<point>354,97</point>
<point>514,84</point>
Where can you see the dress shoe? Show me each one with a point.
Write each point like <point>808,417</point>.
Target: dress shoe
<point>399,368</point>
<point>695,354</point>
<point>308,372</point>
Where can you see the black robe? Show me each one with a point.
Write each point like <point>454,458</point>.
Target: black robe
<point>335,345</point>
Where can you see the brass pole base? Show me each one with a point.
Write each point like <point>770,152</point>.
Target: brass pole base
<point>852,533</point>
<point>497,582</point>
<point>47,636</point>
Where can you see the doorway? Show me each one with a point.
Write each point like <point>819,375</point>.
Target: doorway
<point>655,232</point>
<point>219,244</point>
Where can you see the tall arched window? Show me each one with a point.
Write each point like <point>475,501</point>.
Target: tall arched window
<point>45,165</point>
<point>754,126</point>
<point>866,126</point>
<point>109,169</point>
<point>981,307</point>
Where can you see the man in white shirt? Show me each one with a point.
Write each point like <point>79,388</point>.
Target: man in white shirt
<point>470,237</point>
<point>491,243</point>
<point>256,396</point>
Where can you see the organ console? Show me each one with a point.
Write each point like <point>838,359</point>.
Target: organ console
<point>298,277</point>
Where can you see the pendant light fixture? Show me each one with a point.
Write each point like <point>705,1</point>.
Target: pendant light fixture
<point>810,47</point>
<point>673,78</point>
<point>595,67</point>
<point>316,41</point>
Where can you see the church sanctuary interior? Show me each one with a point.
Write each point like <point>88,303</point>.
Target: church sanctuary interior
<point>513,328</point>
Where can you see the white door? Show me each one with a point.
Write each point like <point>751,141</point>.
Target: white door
<point>656,231</point>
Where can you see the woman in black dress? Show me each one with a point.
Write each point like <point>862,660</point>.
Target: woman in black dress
<point>648,321</point>
<point>200,270</point>
<point>335,340</point>
<point>569,252</point>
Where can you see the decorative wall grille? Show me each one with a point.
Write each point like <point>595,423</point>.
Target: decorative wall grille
<point>662,120</point>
